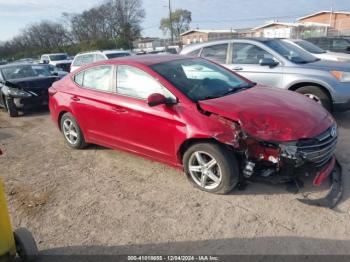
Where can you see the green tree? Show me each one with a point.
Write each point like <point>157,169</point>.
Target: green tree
<point>181,20</point>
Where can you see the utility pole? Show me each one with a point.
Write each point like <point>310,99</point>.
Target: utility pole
<point>331,14</point>
<point>171,24</point>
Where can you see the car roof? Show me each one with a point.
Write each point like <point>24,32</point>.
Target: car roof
<point>115,51</point>
<point>103,52</point>
<point>15,64</point>
<point>55,54</point>
<point>193,47</point>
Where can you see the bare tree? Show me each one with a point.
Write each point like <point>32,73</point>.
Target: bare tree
<point>113,20</point>
<point>181,20</point>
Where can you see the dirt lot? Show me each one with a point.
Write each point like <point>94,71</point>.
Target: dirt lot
<point>104,201</point>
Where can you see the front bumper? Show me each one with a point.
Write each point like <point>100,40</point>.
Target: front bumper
<point>31,102</point>
<point>340,107</point>
<point>336,190</point>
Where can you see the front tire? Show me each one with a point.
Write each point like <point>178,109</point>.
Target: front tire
<point>72,132</point>
<point>211,167</point>
<point>317,94</point>
<point>11,107</point>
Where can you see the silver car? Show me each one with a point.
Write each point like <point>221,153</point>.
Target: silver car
<point>277,63</point>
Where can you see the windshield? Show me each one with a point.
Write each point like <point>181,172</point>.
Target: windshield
<point>310,47</point>
<point>116,55</point>
<point>58,57</point>
<point>23,71</point>
<point>291,52</point>
<point>199,79</point>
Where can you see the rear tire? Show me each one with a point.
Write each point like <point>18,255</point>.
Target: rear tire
<point>26,247</point>
<point>317,94</point>
<point>72,132</point>
<point>211,167</point>
<point>11,107</point>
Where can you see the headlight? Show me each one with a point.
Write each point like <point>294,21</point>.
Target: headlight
<point>342,59</point>
<point>14,92</point>
<point>289,151</point>
<point>341,76</point>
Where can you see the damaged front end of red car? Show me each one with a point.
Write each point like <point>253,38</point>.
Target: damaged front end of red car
<point>286,162</point>
<point>279,137</point>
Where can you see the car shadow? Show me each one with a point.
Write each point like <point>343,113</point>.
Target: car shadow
<point>35,112</point>
<point>343,119</point>
<point>285,248</point>
<point>4,135</point>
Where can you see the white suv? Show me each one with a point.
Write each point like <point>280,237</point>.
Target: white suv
<point>85,58</point>
<point>60,60</point>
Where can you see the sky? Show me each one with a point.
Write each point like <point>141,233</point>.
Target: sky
<point>206,14</point>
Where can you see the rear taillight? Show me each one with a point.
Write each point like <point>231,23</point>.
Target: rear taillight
<point>52,91</point>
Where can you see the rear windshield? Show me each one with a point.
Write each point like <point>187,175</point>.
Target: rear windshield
<point>58,57</point>
<point>116,55</point>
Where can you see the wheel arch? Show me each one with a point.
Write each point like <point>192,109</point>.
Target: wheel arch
<point>191,141</point>
<point>296,86</point>
<point>60,115</point>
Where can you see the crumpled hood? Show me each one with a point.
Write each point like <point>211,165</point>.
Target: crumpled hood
<point>272,114</point>
<point>32,83</point>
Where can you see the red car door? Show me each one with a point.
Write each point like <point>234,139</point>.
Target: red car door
<point>91,103</point>
<point>147,130</point>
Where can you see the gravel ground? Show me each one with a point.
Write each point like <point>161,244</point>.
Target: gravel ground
<point>99,200</point>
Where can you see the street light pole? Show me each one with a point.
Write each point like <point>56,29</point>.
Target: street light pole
<point>171,24</point>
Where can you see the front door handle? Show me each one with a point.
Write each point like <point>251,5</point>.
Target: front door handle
<point>237,68</point>
<point>119,110</point>
<point>75,98</point>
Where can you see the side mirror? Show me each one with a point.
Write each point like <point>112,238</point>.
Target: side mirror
<point>55,73</point>
<point>268,62</point>
<point>46,61</point>
<point>157,99</point>
<point>348,48</point>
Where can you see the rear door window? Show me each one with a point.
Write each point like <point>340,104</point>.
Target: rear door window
<point>216,53</point>
<point>99,78</point>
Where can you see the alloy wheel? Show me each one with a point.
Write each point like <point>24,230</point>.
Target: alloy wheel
<point>70,131</point>
<point>205,170</point>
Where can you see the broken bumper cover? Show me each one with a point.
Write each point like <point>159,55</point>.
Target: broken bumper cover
<point>334,173</point>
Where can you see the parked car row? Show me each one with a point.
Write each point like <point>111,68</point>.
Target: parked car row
<point>85,58</point>
<point>334,44</point>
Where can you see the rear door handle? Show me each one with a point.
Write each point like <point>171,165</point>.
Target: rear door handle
<point>237,68</point>
<point>75,98</point>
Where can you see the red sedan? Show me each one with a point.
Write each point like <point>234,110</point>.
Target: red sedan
<point>192,113</point>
